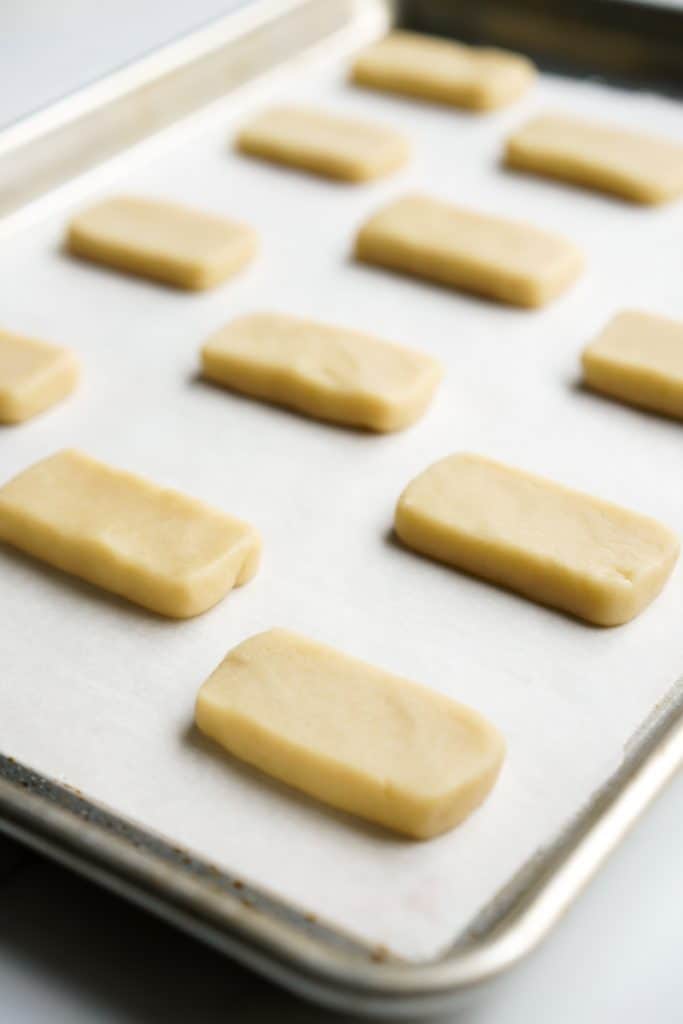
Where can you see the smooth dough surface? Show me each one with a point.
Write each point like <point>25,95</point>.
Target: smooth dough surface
<point>437,69</point>
<point>557,546</point>
<point>327,372</point>
<point>638,358</point>
<point>165,241</point>
<point>501,259</point>
<point>157,547</point>
<point>33,376</point>
<point>338,147</point>
<point>350,734</point>
<point>629,164</point>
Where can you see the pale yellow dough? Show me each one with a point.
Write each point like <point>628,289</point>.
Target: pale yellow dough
<point>33,376</point>
<point>638,358</point>
<point>444,71</point>
<point>175,244</point>
<point>630,164</point>
<point>501,259</point>
<point>351,734</point>
<point>560,547</point>
<point>157,547</point>
<point>337,147</point>
<point>327,372</point>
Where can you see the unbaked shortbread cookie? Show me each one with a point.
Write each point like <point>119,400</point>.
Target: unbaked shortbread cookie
<point>337,147</point>
<point>629,164</point>
<point>560,547</point>
<point>175,244</point>
<point>33,376</point>
<point>638,358</point>
<point>444,71</point>
<point>502,259</point>
<point>155,546</point>
<point>351,734</point>
<point>327,372</point>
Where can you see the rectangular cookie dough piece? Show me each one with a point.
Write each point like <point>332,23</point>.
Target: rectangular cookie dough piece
<point>33,376</point>
<point>629,164</point>
<point>337,147</point>
<point>327,372</point>
<point>350,734</point>
<point>156,547</point>
<point>437,69</point>
<point>638,358</point>
<point>557,546</point>
<point>164,241</point>
<point>501,259</point>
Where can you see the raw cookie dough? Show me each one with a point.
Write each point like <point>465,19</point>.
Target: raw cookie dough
<point>560,547</point>
<point>638,358</point>
<point>33,376</point>
<point>501,259</point>
<point>448,72</point>
<point>350,734</point>
<point>157,547</point>
<point>328,372</point>
<point>338,147</point>
<point>175,244</point>
<point>629,164</point>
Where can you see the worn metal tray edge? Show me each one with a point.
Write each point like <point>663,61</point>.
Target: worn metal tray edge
<point>316,961</point>
<point>260,930</point>
<point>54,144</point>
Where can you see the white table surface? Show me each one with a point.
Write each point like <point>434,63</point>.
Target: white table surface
<point>72,953</point>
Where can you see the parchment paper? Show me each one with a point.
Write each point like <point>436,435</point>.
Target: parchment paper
<point>99,694</point>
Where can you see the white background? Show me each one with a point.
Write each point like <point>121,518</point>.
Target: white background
<point>615,958</point>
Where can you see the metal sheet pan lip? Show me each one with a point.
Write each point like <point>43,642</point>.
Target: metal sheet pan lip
<point>143,70</point>
<point>54,145</point>
<point>318,962</point>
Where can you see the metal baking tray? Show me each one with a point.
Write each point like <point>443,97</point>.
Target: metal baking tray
<point>48,155</point>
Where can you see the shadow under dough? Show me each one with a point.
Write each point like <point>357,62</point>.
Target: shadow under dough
<point>59,579</point>
<point>391,538</point>
<point>254,778</point>
<point>196,379</point>
<point>578,387</point>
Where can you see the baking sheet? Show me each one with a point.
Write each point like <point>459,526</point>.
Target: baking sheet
<point>99,694</point>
